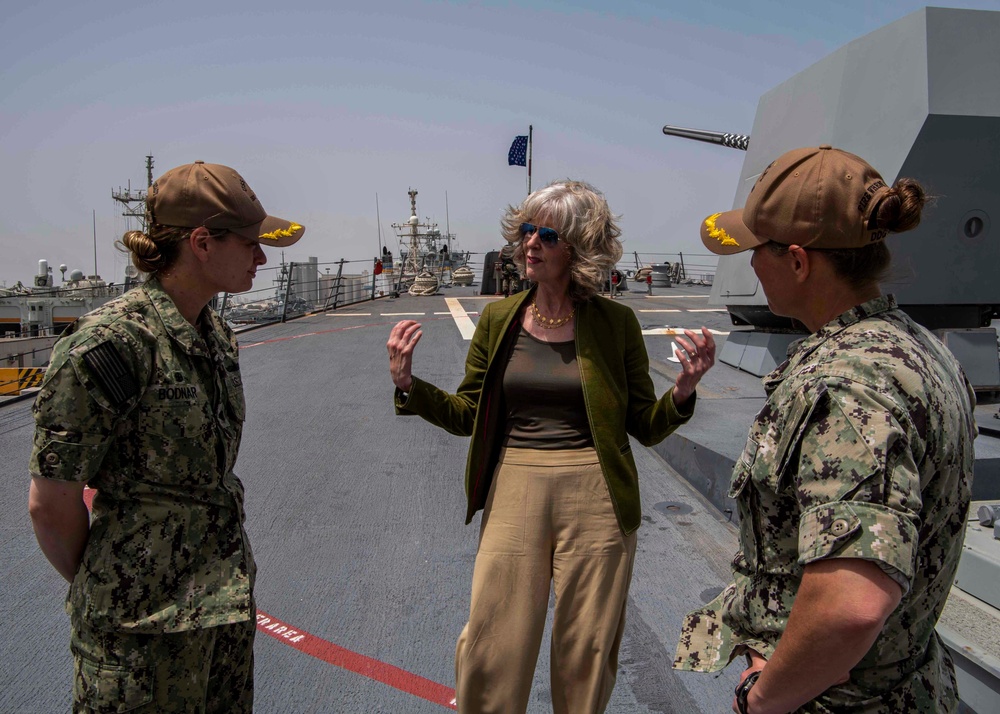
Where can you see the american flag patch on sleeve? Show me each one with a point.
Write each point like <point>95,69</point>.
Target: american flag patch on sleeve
<point>111,373</point>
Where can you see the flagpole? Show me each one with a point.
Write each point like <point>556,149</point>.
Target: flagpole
<point>378,220</point>
<point>530,132</point>
<point>95,242</point>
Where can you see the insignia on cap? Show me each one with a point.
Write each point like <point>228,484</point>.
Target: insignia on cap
<point>718,233</point>
<point>292,229</point>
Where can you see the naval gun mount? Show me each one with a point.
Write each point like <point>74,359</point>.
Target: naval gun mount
<point>918,98</point>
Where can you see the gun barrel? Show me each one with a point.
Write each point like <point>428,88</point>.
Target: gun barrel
<point>733,141</point>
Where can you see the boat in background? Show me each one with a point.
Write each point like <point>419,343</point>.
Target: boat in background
<point>32,318</point>
<point>45,309</point>
<point>428,258</point>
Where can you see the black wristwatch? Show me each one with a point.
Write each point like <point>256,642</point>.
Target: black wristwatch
<point>743,691</point>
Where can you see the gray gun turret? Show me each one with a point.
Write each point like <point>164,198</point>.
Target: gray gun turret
<point>915,99</point>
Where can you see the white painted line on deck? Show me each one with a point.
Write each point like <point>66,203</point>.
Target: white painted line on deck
<point>670,297</point>
<point>677,331</point>
<point>348,314</point>
<point>661,310</point>
<point>462,320</point>
<point>708,309</point>
<point>401,314</point>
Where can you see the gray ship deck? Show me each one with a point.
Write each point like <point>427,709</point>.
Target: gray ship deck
<point>356,518</point>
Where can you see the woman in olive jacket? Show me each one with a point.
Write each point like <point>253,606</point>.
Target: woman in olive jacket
<point>556,380</point>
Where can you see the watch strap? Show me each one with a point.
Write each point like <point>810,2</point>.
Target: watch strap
<point>743,691</point>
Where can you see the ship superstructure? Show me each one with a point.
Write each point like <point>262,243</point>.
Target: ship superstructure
<point>428,258</point>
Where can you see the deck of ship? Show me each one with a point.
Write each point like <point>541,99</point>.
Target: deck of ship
<point>356,519</point>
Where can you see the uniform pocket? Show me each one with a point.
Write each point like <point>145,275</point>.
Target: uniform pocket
<point>741,474</point>
<point>108,689</point>
<point>778,438</point>
<point>749,554</point>
<point>174,418</point>
<point>234,390</point>
<point>175,443</point>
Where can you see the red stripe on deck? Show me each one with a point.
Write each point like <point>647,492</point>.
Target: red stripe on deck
<point>341,657</point>
<point>353,662</point>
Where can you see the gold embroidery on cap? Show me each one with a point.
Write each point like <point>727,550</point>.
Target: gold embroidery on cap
<point>719,233</point>
<point>292,229</point>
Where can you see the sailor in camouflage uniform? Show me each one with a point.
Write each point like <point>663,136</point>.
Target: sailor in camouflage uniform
<point>143,402</point>
<point>854,483</point>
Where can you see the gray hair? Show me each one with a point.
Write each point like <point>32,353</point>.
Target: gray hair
<point>584,222</point>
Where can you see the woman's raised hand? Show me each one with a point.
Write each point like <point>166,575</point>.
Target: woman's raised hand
<point>402,340</point>
<point>696,357</point>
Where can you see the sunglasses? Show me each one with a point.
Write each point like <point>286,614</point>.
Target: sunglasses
<point>548,236</point>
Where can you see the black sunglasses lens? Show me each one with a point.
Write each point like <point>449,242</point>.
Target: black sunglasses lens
<point>548,236</point>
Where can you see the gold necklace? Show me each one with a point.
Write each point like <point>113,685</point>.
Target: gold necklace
<point>549,323</point>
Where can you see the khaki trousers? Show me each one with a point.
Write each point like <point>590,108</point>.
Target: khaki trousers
<point>548,517</point>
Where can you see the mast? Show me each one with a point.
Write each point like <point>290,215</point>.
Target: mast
<point>413,257</point>
<point>418,240</point>
<point>134,202</point>
<point>447,224</point>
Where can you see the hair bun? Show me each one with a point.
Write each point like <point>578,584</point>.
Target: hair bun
<point>145,253</point>
<point>900,210</point>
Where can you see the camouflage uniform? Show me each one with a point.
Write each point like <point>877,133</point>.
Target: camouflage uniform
<point>145,409</point>
<point>168,673</point>
<point>863,450</point>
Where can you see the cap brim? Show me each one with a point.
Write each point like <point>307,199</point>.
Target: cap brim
<point>274,232</point>
<point>726,234</point>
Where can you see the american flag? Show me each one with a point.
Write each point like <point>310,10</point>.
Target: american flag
<point>518,154</point>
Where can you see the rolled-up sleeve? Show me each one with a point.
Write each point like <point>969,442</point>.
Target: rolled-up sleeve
<point>857,484</point>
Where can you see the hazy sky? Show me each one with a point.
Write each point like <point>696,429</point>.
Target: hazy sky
<point>323,106</point>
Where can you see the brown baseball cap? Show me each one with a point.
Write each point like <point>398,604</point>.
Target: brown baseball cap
<point>216,197</point>
<point>816,197</point>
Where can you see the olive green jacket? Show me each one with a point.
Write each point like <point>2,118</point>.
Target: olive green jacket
<point>617,390</point>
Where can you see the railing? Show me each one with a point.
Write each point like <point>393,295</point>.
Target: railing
<point>14,331</point>
<point>680,268</point>
<point>297,289</point>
